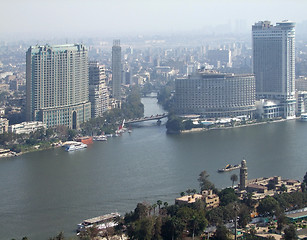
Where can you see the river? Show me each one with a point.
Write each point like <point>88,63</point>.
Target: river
<point>43,193</point>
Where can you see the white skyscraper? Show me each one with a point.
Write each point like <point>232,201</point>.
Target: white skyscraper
<point>274,64</point>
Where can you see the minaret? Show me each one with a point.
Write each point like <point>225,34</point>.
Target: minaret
<point>243,175</point>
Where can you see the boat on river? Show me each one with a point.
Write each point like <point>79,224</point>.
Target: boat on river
<point>100,222</point>
<point>71,146</point>
<point>304,117</point>
<point>229,167</point>
<point>100,138</point>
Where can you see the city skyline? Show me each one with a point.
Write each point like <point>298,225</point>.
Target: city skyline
<point>138,17</point>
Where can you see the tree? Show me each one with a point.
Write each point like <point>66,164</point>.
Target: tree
<point>204,183</point>
<point>222,233</point>
<point>234,178</point>
<point>227,196</point>
<point>188,124</point>
<point>281,221</point>
<point>268,206</point>
<point>172,228</point>
<point>157,229</point>
<point>174,124</point>
<point>154,206</point>
<point>159,203</point>
<point>290,233</point>
<point>141,210</point>
<point>244,216</point>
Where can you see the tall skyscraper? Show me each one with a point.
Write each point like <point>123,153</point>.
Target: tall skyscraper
<point>57,85</point>
<point>274,63</point>
<point>116,70</point>
<point>98,91</point>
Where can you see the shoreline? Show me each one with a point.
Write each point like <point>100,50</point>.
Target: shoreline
<point>231,127</point>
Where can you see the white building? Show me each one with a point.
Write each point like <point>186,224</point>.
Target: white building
<point>4,125</point>
<point>213,94</point>
<point>274,63</point>
<point>27,127</point>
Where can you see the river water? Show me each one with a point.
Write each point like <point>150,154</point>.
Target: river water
<point>46,192</point>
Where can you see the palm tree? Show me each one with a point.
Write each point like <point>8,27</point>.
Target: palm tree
<point>234,178</point>
<point>154,208</point>
<point>159,203</point>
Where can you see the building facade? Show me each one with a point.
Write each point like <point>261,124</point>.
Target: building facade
<point>243,175</point>
<point>214,94</point>
<point>26,127</point>
<point>116,70</point>
<point>4,125</point>
<point>98,91</point>
<point>57,85</point>
<point>274,63</point>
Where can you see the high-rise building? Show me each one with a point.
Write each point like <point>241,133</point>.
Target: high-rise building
<point>116,70</point>
<point>214,94</point>
<point>98,91</point>
<point>274,64</point>
<point>57,85</point>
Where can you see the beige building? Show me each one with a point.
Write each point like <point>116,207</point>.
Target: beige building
<point>210,199</point>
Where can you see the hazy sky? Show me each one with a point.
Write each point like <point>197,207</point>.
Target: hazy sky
<point>115,17</point>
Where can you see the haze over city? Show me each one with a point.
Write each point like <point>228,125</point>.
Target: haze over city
<point>76,18</point>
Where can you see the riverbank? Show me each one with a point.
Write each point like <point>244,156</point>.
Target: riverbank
<point>236,126</point>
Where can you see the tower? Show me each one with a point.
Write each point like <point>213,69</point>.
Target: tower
<point>98,91</point>
<point>57,85</point>
<point>274,63</point>
<point>243,175</point>
<point>116,70</point>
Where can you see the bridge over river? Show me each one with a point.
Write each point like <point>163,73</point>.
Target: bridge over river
<point>152,117</point>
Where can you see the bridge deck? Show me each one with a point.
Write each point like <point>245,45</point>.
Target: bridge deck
<point>156,117</point>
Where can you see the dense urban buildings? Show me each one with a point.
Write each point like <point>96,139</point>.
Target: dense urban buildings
<point>213,94</point>
<point>57,85</point>
<point>274,64</point>
<point>98,90</point>
<point>116,70</point>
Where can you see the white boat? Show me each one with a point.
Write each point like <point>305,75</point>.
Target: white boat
<point>73,146</point>
<point>304,117</point>
<point>100,138</point>
<point>100,222</point>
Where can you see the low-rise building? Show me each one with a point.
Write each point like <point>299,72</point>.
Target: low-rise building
<point>210,199</point>
<point>27,127</point>
<point>188,199</point>
<point>261,188</point>
<point>4,125</point>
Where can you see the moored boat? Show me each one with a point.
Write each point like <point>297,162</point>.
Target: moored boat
<point>304,117</point>
<point>73,146</point>
<point>100,222</point>
<point>229,167</point>
<point>100,138</point>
